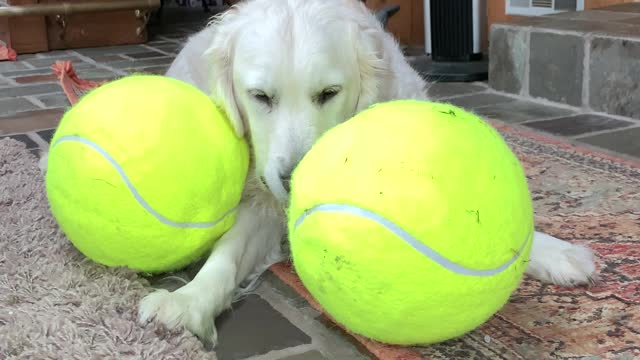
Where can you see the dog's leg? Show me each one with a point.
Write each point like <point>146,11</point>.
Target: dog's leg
<point>560,262</point>
<point>250,246</point>
<point>43,162</point>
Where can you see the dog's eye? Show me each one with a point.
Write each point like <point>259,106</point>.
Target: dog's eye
<point>327,94</point>
<point>261,97</point>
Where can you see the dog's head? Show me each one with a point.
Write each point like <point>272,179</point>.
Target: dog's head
<point>287,71</point>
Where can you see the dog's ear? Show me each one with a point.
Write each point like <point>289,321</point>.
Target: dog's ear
<point>220,57</point>
<point>373,59</point>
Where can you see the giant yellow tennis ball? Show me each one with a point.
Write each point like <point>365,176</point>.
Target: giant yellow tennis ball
<point>145,172</point>
<point>411,223</point>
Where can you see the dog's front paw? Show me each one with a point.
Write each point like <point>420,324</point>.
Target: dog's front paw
<point>561,263</point>
<point>43,162</point>
<point>180,309</point>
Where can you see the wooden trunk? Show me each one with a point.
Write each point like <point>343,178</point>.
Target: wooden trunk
<point>25,34</point>
<point>94,29</point>
<point>31,34</point>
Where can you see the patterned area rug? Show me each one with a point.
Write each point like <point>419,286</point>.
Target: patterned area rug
<point>583,197</point>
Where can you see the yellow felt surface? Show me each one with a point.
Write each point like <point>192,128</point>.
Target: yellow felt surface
<point>178,151</point>
<point>444,176</point>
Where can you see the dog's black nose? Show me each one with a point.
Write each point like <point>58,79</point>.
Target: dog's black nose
<point>286,182</point>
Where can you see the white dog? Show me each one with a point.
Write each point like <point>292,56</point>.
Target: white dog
<point>286,71</point>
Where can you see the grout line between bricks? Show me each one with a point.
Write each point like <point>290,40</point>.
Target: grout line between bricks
<point>174,41</point>
<point>42,144</point>
<point>158,50</point>
<point>526,80</point>
<point>595,133</point>
<point>36,94</point>
<point>551,118</point>
<point>99,65</point>
<point>570,32</point>
<point>49,55</point>
<point>586,70</point>
<point>279,354</point>
<point>10,81</point>
<point>28,65</point>
<point>321,338</point>
<point>22,132</point>
<point>542,101</point>
<point>35,101</point>
<point>616,37</point>
<point>548,118</point>
<point>453,97</point>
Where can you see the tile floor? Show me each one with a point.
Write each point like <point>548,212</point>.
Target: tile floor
<point>273,323</point>
<point>613,134</point>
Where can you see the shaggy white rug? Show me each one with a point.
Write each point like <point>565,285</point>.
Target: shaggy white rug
<point>55,304</point>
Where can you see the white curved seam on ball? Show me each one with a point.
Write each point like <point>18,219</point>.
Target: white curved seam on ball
<point>134,191</point>
<point>409,239</point>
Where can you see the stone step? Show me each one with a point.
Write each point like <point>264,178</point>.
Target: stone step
<point>587,59</point>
